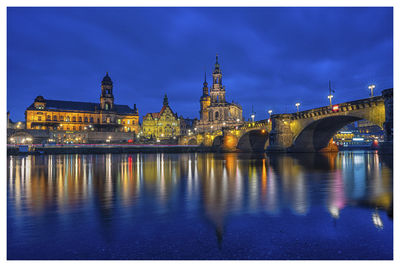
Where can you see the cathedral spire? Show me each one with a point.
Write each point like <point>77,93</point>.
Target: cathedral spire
<point>165,102</point>
<point>216,66</point>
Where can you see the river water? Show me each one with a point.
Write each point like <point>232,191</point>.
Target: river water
<point>200,206</point>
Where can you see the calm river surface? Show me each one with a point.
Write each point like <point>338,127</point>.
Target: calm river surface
<point>200,206</point>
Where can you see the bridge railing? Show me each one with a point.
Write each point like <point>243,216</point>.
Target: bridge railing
<point>341,107</point>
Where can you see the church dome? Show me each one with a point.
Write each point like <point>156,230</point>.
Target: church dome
<point>39,99</point>
<point>106,80</point>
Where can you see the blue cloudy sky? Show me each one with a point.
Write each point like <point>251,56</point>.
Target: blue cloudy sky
<point>271,58</point>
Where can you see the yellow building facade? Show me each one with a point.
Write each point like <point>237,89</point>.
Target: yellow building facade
<point>161,125</point>
<point>58,115</point>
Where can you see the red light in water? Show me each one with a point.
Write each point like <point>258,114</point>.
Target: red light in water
<point>335,108</point>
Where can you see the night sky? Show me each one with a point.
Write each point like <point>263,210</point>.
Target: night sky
<point>270,57</point>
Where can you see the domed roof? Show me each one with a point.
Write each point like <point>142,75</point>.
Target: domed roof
<point>39,99</point>
<point>106,80</point>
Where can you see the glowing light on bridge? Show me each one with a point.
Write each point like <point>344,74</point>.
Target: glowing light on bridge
<point>335,108</point>
<point>371,88</point>
<point>330,99</point>
<point>297,106</point>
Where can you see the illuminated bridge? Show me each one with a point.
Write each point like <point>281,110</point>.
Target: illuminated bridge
<point>305,131</point>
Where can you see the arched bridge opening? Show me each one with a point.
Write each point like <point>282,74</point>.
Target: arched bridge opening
<point>218,141</point>
<point>317,134</point>
<point>253,141</point>
<point>192,142</point>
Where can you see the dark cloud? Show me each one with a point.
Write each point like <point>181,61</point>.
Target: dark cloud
<point>271,57</point>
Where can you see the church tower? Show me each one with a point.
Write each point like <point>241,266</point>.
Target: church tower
<point>107,97</point>
<point>217,91</point>
<point>204,101</point>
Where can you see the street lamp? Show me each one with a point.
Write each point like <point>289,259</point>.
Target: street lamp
<point>330,99</point>
<point>252,117</point>
<point>371,88</point>
<point>297,106</point>
<point>270,112</point>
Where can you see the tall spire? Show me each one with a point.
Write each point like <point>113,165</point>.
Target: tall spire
<point>205,79</point>
<point>165,102</point>
<point>216,65</point>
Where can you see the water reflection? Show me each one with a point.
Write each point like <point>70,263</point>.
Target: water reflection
<point>216,186</point>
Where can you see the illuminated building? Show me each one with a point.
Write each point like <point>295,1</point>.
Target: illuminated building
<point>161,125</point>
<point>365,126</point>
<point>59,115</point>
<point>215,111</point>
<point>14,125</point>
<point>187,126</point>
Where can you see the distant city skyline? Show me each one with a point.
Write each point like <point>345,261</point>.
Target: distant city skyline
<point>271,58</point>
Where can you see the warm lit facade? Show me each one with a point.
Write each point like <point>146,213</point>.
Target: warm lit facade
<point>58,115</point>
<point>161,125</point>
<point>215,111</point>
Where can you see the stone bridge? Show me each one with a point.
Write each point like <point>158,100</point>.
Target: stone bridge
<point>311,130</point>
<point>305,131</point>
<point>250,137</point>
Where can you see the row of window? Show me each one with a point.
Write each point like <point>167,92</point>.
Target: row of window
<point>77,128</point>
<point>67,118</point>
<point>85,119</point>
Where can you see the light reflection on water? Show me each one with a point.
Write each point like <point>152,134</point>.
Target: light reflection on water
<point>112,198</point>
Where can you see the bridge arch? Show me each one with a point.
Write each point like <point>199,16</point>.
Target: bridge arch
<point>316,135</point>
<point>218,141</point>
<point>192,141</point>
<point>253,141</point>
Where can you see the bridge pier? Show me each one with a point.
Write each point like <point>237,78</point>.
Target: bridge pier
<point>387,146</point>
<point>281,135</point>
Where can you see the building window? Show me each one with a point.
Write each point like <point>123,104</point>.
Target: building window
<point>108,119</point>
<point>67,119</point>
<point>91,119</point>
<point>119,121</point>
<point>74,119</point>
<point>61,118</point>
<point>73,128</point>
<point>128,122</point>
<point>48,117</point>
<point>106,106</point>
<point>86,119</point>
<point>39,118</point>
<point>80,119</point>
<point>216,115</point>
<point>54,118</point>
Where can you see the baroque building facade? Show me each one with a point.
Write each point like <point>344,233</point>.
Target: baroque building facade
<point>161,125</point>
<point>215,111</point>
<point>106,116</point>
